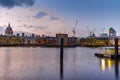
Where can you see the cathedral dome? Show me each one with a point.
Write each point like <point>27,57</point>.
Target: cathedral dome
<point>9,27</point>
<point>9,31</point>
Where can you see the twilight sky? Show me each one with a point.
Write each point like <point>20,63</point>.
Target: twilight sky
<point>58,16</point>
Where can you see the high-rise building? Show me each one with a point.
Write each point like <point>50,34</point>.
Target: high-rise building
<point>112,33</point>
<point>9,31</point>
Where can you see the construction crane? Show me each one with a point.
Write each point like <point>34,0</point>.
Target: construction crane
<point>74,29</point>
<point>103,30</point>
<point>91,33</point>
<point>94,30</point>
<point>103,33</point>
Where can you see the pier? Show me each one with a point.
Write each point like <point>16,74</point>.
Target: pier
<point>112,56</point>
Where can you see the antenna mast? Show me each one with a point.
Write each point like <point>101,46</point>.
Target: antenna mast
<point>74,29</point>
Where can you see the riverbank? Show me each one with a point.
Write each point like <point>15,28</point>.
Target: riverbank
<point>39,45</point>
<point>34,45</point>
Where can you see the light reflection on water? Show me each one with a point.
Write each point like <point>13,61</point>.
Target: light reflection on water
<point>44,64</point>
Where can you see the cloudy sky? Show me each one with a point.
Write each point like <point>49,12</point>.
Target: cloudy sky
<point>59,16</point>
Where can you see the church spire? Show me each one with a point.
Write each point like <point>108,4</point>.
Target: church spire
<point>9,24</point>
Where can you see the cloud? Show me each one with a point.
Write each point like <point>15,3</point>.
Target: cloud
<point>25,25</point>
<point>40,15</point>
<point>35,27</point>
<point>28,26</point>
<point>41,27</point>
<point>13,3</point>
<point>54,18</point>
<point>19,20</point>
<point>8,14</point>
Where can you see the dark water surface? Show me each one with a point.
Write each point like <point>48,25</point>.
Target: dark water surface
<point>44,64</point>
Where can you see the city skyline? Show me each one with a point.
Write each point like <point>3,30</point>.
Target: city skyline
<point>52,16</point>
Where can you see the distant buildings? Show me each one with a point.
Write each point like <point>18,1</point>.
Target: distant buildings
<point>104,35</point>
<point>10,39</point>
<point>55,41</point>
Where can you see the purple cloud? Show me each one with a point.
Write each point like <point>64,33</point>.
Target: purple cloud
<point>40,15</point>
<point>13,3</point>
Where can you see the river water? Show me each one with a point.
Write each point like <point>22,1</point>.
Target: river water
<point>36,63</point>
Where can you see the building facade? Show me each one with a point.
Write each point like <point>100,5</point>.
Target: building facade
<point>58,39</point>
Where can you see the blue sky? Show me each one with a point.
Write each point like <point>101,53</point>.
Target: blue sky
<point>58,16</point>
<point>82,6</point>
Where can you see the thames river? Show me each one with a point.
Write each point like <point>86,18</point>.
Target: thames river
<point>36,63</point>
